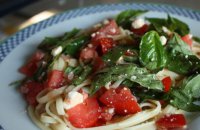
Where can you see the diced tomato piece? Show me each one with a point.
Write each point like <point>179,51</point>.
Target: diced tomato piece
<point>104,45</point>
<point>109,29</point>
<point>29,69</point>
<point>30,89</point>
<point>167,82</point>
<point>88,53</point>
<point>171,121</point>
<point>55,79</point>
<point>107,113</point>
<point>187,39</point>
<point>141,31</point>
<point>98,64</point>
<point>122,100</point>
<point>85,114</point>
<point>32,65</point>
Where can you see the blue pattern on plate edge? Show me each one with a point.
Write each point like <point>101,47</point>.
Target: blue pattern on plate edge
<point>19,37</point>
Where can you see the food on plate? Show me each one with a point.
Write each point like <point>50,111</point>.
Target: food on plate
<point>127,72</point>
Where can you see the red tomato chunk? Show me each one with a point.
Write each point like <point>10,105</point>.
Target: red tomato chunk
<point>30,89</point>
<point>167,82</point>
<point>171,121</point>
<point>109,29</point>
<point>55,79</point>
<point>122,100</point>
<point>187,39</point>
<point>85,114</point>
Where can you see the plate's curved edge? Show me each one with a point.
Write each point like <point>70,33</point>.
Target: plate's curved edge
<point>14,40</point>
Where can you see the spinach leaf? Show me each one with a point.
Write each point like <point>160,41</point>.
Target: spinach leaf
<point>197,39</point>
<point>180,58</point>
<point>71,47</point>
<point>185,96</point>
<point>124,18</point>
<point>173,24</point>
<point>130,72</point>
<point>152,53</point>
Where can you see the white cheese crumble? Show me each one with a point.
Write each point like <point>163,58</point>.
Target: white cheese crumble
<point>73,98</point>
<point>163,40</point>
<point>166,30</point>
<point>111,110</point>
<point>106,21</point>
<point>73,62</point>
<point>56,51</point>
<point>138,23</point>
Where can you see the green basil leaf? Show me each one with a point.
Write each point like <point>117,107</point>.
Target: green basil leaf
<point>152,53</point>
<point>113,55</point>
<point>173,24</point>
<point>185,96</point>
<point>48,43</point>
<point>195,38</point>
<point>83,76</point>
<point>179,45</point>
<point>131,72</point>
<point>180,58</point>
<point>178,26</point>
<point>73,46</point>
<point>124,18</point>
<point>71,34</point>
<point>183,100</point>
<point>157,24</point>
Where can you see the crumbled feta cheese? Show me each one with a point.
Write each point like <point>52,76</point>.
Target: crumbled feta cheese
<point>90,45</point>
<point>111,110</point>
<point>73,98</point>
<point>106,21</point>
<point>163,40</point>
<point>113,30</point>
<point>93,34</point>
<point>56,51</point>
<point>166,30</point>
<point>190,35</point>
<point>59,64</point>
<point>73,62</point>
<point>133,77</point>
<point>97,25</point>
<point>138,23</point>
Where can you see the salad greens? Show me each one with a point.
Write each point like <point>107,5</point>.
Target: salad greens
<point>125,18</point>
<point>171,23</point>
<point>130,72</point>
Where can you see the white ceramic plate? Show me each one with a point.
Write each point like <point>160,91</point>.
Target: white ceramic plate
<point>15,50</point>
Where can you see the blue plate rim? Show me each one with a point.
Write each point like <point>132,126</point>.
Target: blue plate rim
<point>13,41</point>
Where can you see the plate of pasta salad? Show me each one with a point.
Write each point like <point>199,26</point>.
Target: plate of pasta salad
<point>108,67</point>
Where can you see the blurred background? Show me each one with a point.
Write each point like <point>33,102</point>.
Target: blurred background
<point>17,14</point>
